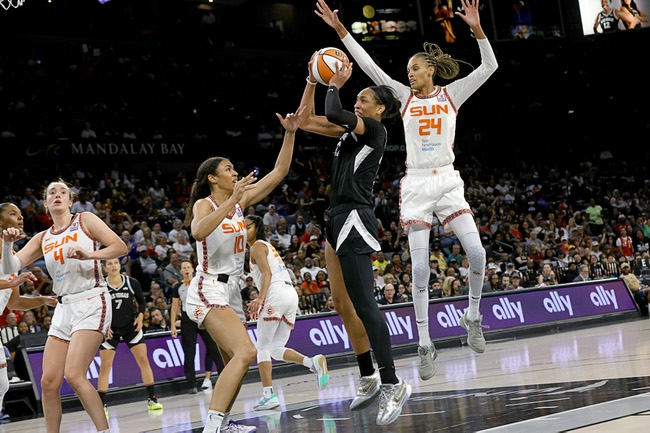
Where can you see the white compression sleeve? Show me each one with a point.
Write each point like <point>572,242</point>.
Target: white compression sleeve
<point>10,263</point>
<point>419,249</point>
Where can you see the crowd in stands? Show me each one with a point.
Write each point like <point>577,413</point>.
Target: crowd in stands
<point>556,216</point>
<point>569,227</point>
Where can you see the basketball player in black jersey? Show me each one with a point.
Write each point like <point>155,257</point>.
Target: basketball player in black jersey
<point>351,231</point>
<point>126,326</point>
<point>607,19</point>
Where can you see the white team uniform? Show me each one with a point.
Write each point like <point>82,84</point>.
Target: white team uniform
<point>281,303</point>
<point>431,183</point>
<point>84,302</point>
<point>221,262</point>
<point>5,294</point>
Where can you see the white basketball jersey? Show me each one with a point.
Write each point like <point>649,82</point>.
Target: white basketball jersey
<point>279,271</point>
<point>5,294</point>
<point>222,252</point>
<point>71,276</point>
<point>429,129</point>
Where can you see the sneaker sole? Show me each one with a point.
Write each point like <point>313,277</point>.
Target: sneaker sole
<point>324,377</point>
<point>261,408</point>
<point>399,412</point>
<point>465,326</point>
<point>364,403</point>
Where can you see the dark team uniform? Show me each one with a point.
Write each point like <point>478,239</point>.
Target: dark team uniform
<point>352,223</point>
<point>608,22</point>
<point>124,313</point>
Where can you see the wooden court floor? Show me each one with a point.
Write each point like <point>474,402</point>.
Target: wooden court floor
<point>587,380</point>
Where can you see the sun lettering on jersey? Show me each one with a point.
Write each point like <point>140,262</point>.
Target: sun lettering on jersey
<point>57,247</point>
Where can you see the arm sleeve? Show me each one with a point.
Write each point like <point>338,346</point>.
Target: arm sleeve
<point>463,88</point>
<point>138,295</point>
<point>10,263</point>
<point>370,68</point>
<point>334,110</point>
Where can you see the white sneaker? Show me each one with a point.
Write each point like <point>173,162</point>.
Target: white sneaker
<point>474,328</point>
<point>206,385</point>
<point>235,427</point>
<point>320,368</point>
<point>426,367</point>
<point>267,403</point>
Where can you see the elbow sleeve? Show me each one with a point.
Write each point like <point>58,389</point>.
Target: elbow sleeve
<point>334,110</point>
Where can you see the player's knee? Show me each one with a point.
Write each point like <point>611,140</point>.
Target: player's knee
<point>278,353</point>
<point>4,386</point>
<point>421,274</point>
<point>263,354</point>
<point>248,354</point>
<point>476,257</point>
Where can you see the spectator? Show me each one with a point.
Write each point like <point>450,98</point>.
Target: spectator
<point>14,343</point>
<point>11,329</point>
<point>389,297</point>
<point>30,319</point>
<point>640,291</point>
<point>84,204</point>
<point>147,264</point>
<point>172,272</point>
<point>309,267</point>
<point>182,246</point>
<point>515,280</point>
<point>157,321</point>
<point>271,218</point>
<point>284,238</point>
<point>308,286</point>
<point>379,280</point>
<point>583,274</point>
<point>178,228</point>
<point>493,284</point>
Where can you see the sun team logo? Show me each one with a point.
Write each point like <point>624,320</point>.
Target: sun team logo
<point>74,226</point>
<point>270,310</point>
<point>197,312</point>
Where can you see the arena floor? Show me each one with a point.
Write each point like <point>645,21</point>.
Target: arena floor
<point>588,380</point>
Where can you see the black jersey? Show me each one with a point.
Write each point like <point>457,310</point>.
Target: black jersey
<point>123,298</point>
<point>356,163</point>
<point>608,22</point>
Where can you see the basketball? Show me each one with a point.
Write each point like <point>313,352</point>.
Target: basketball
<point>326,62</point>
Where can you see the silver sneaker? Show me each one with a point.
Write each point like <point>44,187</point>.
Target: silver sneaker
<point>474,328</point>
<point>367,392</point>
<point>391,399</point>
<point>426,367</point>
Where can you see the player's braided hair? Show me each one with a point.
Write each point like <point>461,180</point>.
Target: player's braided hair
<point>445,66</point>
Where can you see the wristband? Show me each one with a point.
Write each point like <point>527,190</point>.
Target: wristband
<point>311,83</point>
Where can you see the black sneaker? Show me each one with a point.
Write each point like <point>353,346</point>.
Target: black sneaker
<point>192,390</point>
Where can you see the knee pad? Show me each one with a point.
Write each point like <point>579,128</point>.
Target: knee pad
<point>277,353</point>
<point>263,354</point>
<point>421,274</point>
<point>476,258</point>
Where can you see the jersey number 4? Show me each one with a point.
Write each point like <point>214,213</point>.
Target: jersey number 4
<point>58,256</point>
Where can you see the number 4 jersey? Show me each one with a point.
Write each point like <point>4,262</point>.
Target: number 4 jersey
<point>71,276</point>
<point>222,252</point>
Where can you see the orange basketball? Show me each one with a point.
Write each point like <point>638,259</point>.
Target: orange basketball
<point>326,62</point>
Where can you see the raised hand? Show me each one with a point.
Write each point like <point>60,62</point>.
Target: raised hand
<point>329,16</point>
<point>12,234</point>
<point>471,16</point>
<point>291,123</point>
<point>341,75</point>
<point>242,185</point>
